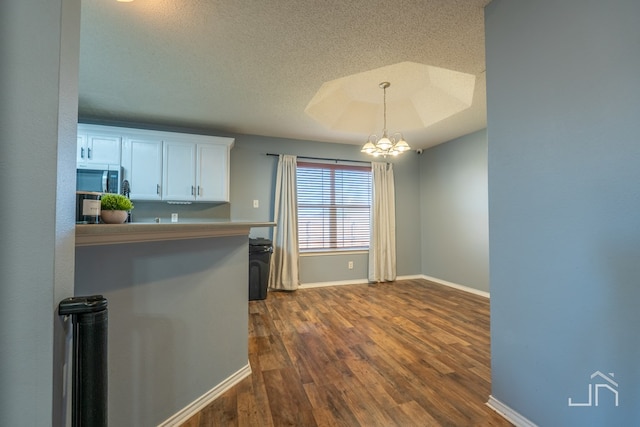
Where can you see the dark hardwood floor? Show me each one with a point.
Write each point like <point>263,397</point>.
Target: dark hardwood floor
<point>406,353</point>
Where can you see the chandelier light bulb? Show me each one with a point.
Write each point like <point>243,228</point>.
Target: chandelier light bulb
<point>384,143</point>
<point>368,148</point>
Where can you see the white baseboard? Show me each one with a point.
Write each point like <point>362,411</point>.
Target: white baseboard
<point>454,285</point>
<point>197,405</point>
<point>337,283</point>
<point>411,277</point>
<point>508,413</point>
<point>351,282</point>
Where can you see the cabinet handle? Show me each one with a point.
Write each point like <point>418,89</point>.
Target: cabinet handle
<point>82,153</point>
<point>199,191</point>
<point>193,189</point>
<point>88,153</point>
<point>158,189</point>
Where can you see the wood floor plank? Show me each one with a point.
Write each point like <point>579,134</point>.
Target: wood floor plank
<point>406,353</point>
<point>412,414</point>
<point>287,399</point>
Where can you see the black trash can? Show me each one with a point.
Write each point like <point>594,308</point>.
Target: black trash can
<point>259,256</point>
<point>89,393</point>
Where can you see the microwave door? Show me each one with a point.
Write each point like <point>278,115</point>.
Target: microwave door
<point>105,181</point>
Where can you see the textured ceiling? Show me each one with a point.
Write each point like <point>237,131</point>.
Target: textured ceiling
<point>252,67</point>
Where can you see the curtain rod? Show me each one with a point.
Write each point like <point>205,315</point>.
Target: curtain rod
<point>325,159</point>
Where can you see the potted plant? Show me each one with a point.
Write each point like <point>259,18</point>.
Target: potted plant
<point>114,208</point>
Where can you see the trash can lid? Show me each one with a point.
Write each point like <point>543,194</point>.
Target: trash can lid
<point>79,305</point>
<point>260,241</point>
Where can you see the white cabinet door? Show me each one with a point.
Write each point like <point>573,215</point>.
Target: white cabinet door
<point>104,149</point>
<point>97,145</point>
<point>179,167</point>
<point>145,173</point>
<point>212,173</point>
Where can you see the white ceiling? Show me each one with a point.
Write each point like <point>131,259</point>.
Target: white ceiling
<point>252,66</point>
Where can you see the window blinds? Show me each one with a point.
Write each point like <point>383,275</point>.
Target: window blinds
<point>334,204</point>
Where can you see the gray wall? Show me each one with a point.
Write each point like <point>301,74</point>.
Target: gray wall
<point>38,110</point>
<point>146,211</point>
<point>564,205</point>
<point>253,178</point>
<point>177,320</point>
<point>454,211</point>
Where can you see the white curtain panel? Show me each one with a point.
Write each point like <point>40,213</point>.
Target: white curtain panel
<point>382,247</point>
<point>284,271</point>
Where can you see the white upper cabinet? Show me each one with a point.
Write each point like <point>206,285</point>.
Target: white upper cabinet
<point>142,165</point>
<point>212,172</point>
<point>179,171</point>
<point>97,145</point>
<point>196,171</point>
<point>160,165</point>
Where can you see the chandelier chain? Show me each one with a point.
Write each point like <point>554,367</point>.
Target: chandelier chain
<point>384,108</point>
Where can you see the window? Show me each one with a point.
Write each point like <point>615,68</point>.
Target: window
<point>334,204</point>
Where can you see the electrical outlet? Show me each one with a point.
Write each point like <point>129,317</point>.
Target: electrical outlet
<point>256,203</point>
<point>174,217</point>
<point>350,265</point>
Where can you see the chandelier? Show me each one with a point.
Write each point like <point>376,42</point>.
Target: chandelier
<point>385,146</point>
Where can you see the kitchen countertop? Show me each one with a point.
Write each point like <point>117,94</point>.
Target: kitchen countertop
<point>110,234</point>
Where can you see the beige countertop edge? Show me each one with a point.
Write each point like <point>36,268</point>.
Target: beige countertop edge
<point>111,234</point>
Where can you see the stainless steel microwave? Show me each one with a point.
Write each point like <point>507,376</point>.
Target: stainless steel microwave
<point>99,178</point>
